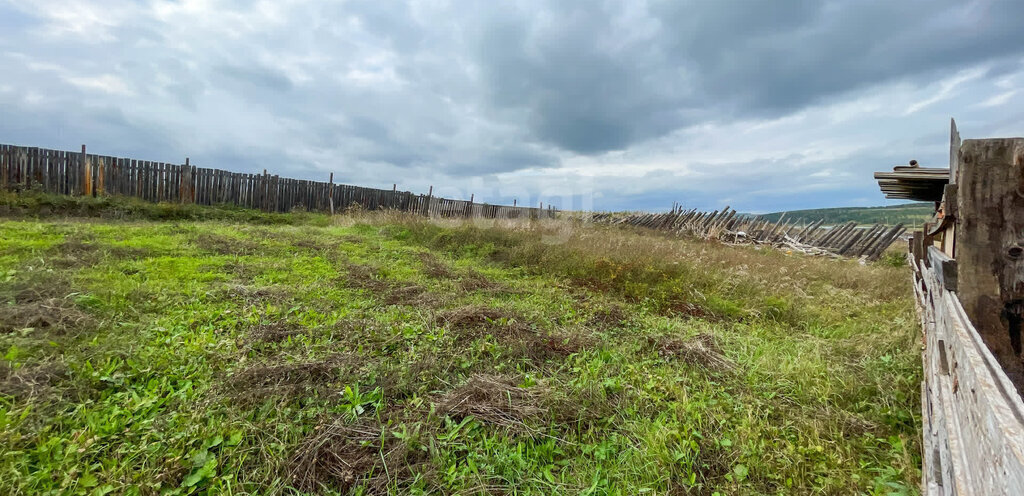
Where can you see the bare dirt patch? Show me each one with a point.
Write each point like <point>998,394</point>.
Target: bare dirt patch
<point>129,252</point>
<point>78,244</point>
<point>369,279</point>
<point>225,245</point>
<point>494,399</point>
<point>45,305</point>
<point>434,267</point>
<point>290,379</point>
<point>311,245</point>
<point>517,335</point>
<point>688,310</point>
<point>364,277</point>
<point>30,380</point>
<point>471,280</point>
<point>561,344</point>
<point>410,294</point>
<point>243,272</point>
<point>77,250</point>
<point>701,350</point>
<point>476,318</point>
<point>338,457</point>
<point>610,316</point>
<point>80,250</point>
<point>256,295</point>
<point>275,332</point>
<point>55,316</point>
<point>468,279</point>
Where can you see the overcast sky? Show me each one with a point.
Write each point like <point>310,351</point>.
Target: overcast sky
<point>763,106</point>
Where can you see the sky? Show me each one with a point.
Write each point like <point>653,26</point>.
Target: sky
<point>597,105</point>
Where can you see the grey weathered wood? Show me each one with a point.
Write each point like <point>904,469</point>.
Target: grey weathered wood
<point>973,419</point>
<point>944,267</point>
<point>990,242</point>
<point>954,151</point>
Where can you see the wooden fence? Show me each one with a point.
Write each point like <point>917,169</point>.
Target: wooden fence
<point>79,173</point>
<point>968,275</point>
<point>846,240</point>
<point>971,414</point>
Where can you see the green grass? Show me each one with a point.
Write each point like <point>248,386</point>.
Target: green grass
<point>909,214</point>
<point>384,353</point>
<point>34,204</point>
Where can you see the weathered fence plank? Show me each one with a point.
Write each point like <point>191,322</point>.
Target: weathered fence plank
<point>74,173</point>
<point>973,417</point>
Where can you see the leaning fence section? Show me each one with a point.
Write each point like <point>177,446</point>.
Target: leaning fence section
<point>849,240</point>
<point>81,173</point>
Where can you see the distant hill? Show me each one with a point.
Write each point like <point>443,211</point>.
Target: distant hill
<point>910,214</point>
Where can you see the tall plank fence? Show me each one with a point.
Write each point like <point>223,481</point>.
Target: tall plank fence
<point>80,173</point>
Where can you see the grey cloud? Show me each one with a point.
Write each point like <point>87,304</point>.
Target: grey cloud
<point>1005,67</point>
<point>783,56</point>
<point>581,90</point>
<point>257,76</point>
<point>463,91</point>
<point>504,159</point>
<point>590,86</point>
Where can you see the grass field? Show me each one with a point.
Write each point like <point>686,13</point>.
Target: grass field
<point>383,353</point>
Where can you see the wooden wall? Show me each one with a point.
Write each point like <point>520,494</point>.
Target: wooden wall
<point>79,173</point>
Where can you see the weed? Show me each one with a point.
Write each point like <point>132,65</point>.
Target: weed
<point>179,349</point>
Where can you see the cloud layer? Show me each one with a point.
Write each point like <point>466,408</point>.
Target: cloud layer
<point>607,105</point>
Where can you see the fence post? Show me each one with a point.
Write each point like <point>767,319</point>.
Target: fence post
<point>266,192</point>
<point>990,246</point>
<point>84,171</point>
<point>426,204</point>
<point>330,193</point>
<point>183,179</point>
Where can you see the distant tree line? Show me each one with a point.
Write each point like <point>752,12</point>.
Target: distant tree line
<point>910,214</point>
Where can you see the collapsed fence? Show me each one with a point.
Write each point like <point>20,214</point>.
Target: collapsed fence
<point>78,173</point>
<point>727,225</point>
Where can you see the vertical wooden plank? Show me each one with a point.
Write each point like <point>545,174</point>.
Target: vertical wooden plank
<point>183,182</point>
<point>4,165</point>
<point>954,151</point>
<point>139,192</point>
<point>100,175</point>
